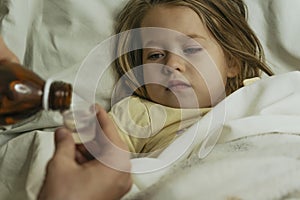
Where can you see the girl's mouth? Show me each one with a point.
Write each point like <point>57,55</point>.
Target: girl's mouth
<point>177,85</point>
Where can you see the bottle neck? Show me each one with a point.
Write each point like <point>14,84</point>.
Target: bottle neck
<point>60,96</point>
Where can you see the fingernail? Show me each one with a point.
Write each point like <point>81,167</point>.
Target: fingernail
<point>97,108</point>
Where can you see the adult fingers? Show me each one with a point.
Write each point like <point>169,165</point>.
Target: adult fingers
<point>6,53</point>
<point>64,143</point>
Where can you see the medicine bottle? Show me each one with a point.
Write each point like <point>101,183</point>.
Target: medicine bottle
<point>23,94</point>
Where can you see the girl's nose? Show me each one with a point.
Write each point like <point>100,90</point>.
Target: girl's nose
<point>174,63</point>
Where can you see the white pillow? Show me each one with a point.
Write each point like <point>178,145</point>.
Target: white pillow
<point>277,26</point>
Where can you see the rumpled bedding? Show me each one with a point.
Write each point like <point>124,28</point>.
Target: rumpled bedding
<point>256,156</point>
<point>256,128</point>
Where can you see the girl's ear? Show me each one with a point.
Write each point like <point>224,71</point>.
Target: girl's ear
<point>233,68</point>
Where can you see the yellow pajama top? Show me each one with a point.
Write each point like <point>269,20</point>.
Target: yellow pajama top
<point>148,127</point>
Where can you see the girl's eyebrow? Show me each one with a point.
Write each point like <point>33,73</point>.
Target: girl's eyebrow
<point>156,44</point>
<point>193,36</point>
<point>151,44</point>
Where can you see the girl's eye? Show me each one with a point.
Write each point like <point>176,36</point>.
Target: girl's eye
<point>192,50</point>
<point>155,56</point>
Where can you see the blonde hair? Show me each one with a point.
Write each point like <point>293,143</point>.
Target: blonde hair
<point>225,19</point>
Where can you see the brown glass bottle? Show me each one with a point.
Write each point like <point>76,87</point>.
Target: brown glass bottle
<point>22,94</point>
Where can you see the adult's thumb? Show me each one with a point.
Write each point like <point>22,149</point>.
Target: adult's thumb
<point>64,143</point>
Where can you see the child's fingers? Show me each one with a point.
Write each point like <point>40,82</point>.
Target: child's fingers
<point>107,147</point>
<point>109,129</point>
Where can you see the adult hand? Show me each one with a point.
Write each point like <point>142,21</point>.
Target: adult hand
<point>6,54</point>
<point>66,179</point>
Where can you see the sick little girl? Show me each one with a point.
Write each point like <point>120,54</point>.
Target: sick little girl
<point>180,58</point>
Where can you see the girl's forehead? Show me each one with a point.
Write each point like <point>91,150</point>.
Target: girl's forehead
<point>179,19</point>
<point>166,14</point>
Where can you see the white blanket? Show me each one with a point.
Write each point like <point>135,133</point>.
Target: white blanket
<point>257,155</point>
<point>260,167</point>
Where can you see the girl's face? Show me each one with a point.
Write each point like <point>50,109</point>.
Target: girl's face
<point>186,69</point>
